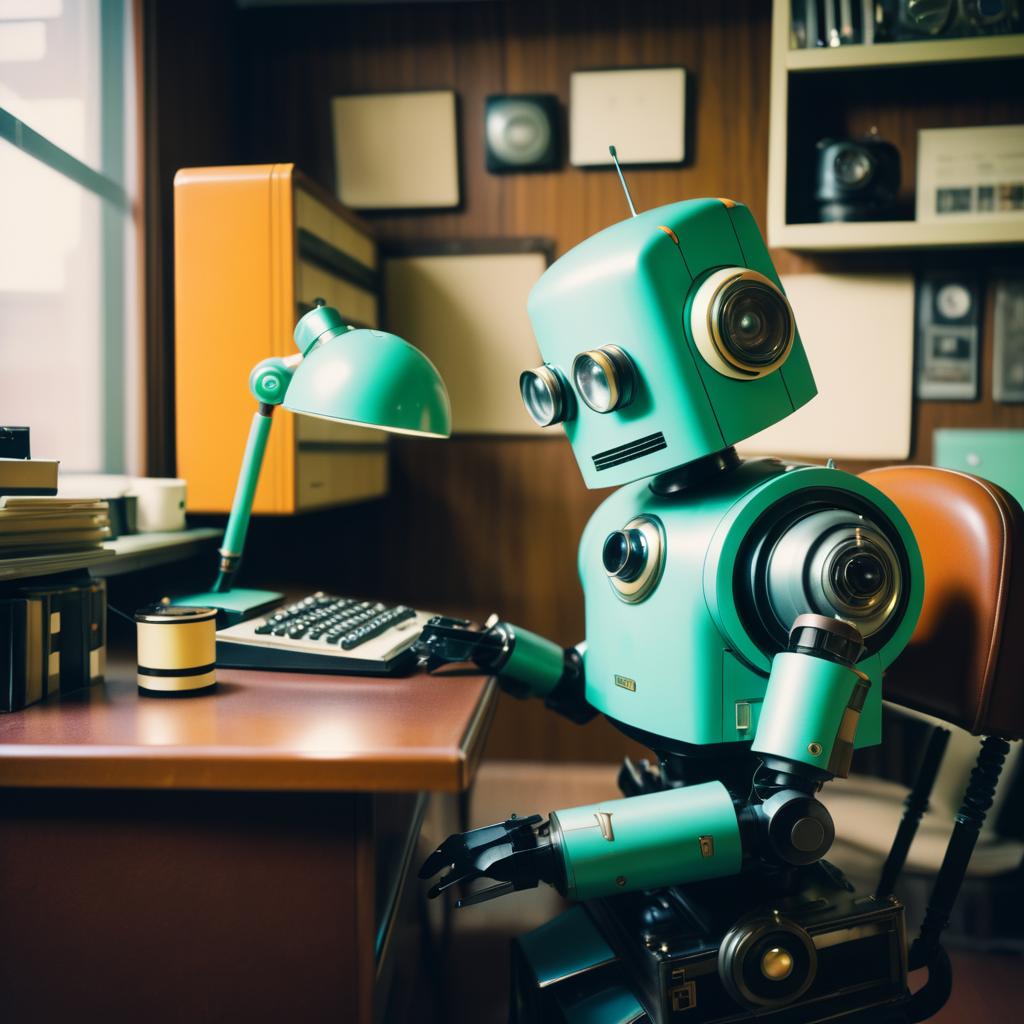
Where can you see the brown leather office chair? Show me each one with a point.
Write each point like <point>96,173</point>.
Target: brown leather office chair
<point>964,665</point>
<point>965,661</point>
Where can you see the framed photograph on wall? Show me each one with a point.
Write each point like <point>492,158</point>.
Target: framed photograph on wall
<point>463,304</point>
<point>641,111</point>
<point>973,174</point>
<point>396,150</point>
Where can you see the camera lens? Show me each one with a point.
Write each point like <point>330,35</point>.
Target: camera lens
<point>605,378</point>
<point>853,167</point>
<point>859,575</point>
<point>545,395</point>
<point>625,554</point>
<point>767,963</point>
<point>741,323</point>
<point>864,575</point>
<point>754,323</point>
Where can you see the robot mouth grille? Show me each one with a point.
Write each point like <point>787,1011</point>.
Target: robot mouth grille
<point>628,452</point>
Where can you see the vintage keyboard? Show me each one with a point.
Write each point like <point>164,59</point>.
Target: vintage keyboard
<point>324,633</point>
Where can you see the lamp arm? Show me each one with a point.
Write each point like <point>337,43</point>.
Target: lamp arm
<point>268,383</point>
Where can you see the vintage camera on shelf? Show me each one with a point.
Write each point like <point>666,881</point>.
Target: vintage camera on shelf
<point>857,179</point>
<point>925,19</point>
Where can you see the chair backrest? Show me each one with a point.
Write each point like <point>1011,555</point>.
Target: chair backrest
<point>965,662</point>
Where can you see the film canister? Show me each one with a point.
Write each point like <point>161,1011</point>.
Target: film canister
<point>176,650</point>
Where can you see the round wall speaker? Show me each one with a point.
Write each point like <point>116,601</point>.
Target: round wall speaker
<point>521,133</point>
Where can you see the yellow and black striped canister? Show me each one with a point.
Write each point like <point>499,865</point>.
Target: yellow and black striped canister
<point>177,649</point>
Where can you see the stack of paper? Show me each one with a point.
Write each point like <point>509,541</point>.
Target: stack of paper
<point>40,534</point>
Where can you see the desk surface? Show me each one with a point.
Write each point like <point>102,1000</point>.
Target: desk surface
<point>260,731</point>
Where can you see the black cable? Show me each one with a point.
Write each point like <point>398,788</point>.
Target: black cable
<point>124,615</point>
<point>915,806</point>
<point>969,819</point>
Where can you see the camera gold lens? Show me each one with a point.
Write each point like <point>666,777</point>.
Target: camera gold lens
<point>777,964</point>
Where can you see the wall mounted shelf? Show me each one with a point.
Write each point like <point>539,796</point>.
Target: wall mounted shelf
<point>792,66</point>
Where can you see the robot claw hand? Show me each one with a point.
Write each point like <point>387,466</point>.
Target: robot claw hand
<point>516,853</point>
<point>525,664</point>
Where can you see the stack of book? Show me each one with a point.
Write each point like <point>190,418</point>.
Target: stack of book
<point>53,628</point>
<point>41,534</point>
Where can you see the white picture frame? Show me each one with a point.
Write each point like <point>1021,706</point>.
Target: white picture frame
<point>463,303</point>
<point>641,111</point>
<point>970,174</point>
<point>396,150</point>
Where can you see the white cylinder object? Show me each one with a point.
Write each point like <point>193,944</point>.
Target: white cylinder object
<point>177,649</point>
<point>161,503</point>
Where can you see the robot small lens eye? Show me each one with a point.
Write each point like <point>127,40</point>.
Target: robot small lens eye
<point>605,378</point>
<point>545,395</point>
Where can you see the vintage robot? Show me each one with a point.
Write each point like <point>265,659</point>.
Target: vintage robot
<point>739,618</point>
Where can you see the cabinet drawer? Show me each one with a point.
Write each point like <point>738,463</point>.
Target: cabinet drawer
<point>313,216</point>
<point>355,304</point>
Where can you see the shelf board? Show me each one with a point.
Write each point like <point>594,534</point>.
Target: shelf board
<point>929,51</point>
<point>894,234</point>
<point>146,550</point>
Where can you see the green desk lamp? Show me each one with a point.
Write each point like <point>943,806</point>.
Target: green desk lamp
<point>362,377</point>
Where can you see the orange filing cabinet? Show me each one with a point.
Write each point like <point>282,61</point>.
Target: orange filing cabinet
<point>254,246</point>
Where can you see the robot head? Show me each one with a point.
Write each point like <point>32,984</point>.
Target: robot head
<point>665,338</point>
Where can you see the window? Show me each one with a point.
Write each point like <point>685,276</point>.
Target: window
<point>70,361</point>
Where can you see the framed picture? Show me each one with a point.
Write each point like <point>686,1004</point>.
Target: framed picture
<point>463,304</point>
<point>396,150</point>
<point>974,174</point>
<point>641,111</point>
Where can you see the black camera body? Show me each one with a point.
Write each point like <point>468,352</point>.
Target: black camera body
<point>950,19</point>
<point>857,179</point>
<point>718,953</point>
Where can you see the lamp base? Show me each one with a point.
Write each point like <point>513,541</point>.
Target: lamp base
<point>234,605</point>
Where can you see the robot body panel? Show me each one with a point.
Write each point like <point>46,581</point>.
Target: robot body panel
<point>638,671</point>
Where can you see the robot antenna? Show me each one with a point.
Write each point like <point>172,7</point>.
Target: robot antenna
<point>625,187</point>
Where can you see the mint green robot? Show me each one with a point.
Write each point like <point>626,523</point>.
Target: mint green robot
<point>739,614</point>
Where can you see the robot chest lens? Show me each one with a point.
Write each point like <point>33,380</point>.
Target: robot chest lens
<point>835,562</point>
<point>634,558</point>
<point>625,554</point>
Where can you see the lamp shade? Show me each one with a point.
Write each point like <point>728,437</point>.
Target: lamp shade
<point>373,379</point>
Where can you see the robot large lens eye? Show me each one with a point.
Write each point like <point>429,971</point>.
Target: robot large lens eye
<point>545,395</point>
<point>755,323</point>
<point>742,323</point>
<point>605,378</point>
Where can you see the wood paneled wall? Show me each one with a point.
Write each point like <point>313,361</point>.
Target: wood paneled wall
<point>492,524</point>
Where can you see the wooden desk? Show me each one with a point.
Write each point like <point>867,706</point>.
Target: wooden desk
<point>243,856</point>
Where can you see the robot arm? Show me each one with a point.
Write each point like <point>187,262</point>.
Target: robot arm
<point>680,835</point>
<point>525,664</point>
<point>813,703</point>
<point>673,836</point>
